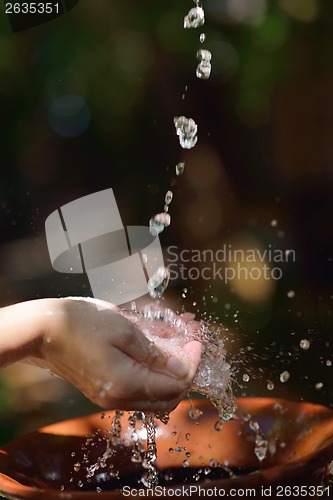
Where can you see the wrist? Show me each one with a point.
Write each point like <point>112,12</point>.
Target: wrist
<point>23,328</point>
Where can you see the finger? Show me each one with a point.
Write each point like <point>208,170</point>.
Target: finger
<point>128,339</point>
<point>134,381</point>
<point>194,352</point>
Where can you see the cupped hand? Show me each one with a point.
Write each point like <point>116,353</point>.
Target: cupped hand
<point>92,345</point>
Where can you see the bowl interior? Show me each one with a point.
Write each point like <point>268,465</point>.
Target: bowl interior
<point>50,461</point>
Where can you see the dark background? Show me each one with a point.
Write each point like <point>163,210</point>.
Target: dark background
<point>87,102</point>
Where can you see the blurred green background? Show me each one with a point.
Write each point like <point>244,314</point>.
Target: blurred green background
<point>87,102</point>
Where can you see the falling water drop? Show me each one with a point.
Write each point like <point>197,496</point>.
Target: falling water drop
<point>194,18</point>
<point>158,282</point>
<point>304,344</point>
<point>180,167</point>
<point>168,197</point>
<point>284,377</point>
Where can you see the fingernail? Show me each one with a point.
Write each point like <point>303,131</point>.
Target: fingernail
<point>177,366</point>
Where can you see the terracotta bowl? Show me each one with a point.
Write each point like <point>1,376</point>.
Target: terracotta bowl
<point>300,447</point>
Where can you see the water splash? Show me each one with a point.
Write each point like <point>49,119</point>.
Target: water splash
<point>150,479</point>
<point>171,332</point>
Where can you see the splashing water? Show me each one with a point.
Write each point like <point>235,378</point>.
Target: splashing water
<point>170,332</point>
<point>150,479</point>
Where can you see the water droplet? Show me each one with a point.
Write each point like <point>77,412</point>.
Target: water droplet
<point>158,223</point>
<point>195,413</point>
<point>246,377</point>
<point>304,344</point>
<point>254,426</point>
<point>62,487</point>
<point>291,294</point>
<point>186,463</point>
<point>77,466</point>
<point>144,258</point>
<point>194,18</point>
<point>168,197</point>
<point>270,386</point>
<point>158,282</point>
<point>218,425</point>
<point>202,37</point>
<point>261,451</point>
<point>274,223</point>
<point>180,167</point>
<point>204,55</point>
<point>188,454</point>
<point>73,454</point>
<point>187,131</point>
<point>284,377</point>
<point>155,227</point>
<point>187,436</point>
<point>203,70</point>
<point>319,386</point>
<point>171,450</point>
<point>328,362</point>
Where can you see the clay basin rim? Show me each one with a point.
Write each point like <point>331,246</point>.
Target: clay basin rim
<point>300,446</point>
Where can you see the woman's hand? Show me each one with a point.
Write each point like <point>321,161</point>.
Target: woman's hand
<point>105,356</point>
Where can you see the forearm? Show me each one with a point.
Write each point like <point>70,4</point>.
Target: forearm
<point>22,330</point>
